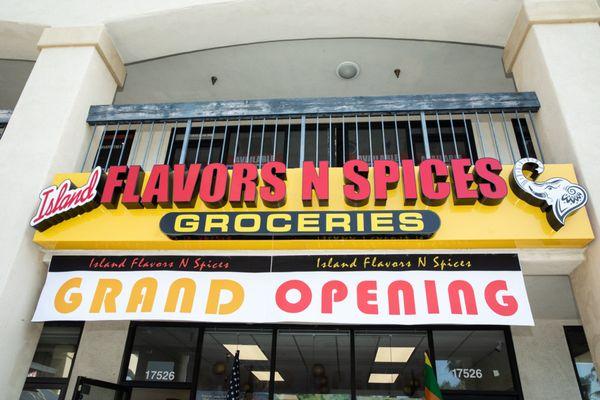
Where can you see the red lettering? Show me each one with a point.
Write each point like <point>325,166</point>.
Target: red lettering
<point>319,182</point>
<point>301,304</point>
<point>213,186</point>
<point>454,293</point>
<point>243,184</point>
<point>463,180</point>
<point>365,295</point>
<point>386,174</point>
<point>433,306</point>
<point>357,188</point>
<point>157,189</point>
<point>113,186</point>
<point>133,187</point>
<point>433,174</point>
<point>408,297</point>
<point>409,181</point>
<point>509,305</point>
<point>492,188</point>
<point>333,291</point>
<point>185,184</point>
<point>273,176</point>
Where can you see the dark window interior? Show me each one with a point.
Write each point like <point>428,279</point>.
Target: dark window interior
<point>115,148</point>
<point>523,137</point>
<point>259,143</point>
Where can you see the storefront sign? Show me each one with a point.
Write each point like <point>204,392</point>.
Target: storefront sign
<point>436,205</point>
<point>340,289</point>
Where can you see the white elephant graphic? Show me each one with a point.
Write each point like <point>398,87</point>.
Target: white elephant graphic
<point>557,196</point>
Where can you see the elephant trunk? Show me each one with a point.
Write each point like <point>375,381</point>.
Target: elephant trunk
<point>524,186</point>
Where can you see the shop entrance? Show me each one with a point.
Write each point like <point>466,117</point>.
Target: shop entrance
<point>194,361</point>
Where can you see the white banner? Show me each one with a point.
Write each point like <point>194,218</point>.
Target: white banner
<point>410,297</point>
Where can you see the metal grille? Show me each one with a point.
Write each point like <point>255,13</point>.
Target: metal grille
<point>503,133</point>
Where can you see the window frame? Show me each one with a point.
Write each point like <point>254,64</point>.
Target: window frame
<point>53,382</point>
<point>516,393</point>
<point>571,328</point>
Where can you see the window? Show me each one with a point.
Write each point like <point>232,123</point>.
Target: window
<point>218,350</point>
<point>472,360</point>
<point>115,148</point>
<point>523,138</point>
<point>52,362</point>
<point>162,354</point>
<point>313,364</point>
<point>389,364</point>
<point>316,363</point>
<point>587,376</point>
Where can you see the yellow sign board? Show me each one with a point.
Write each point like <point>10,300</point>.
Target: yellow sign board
<point>513,223</point>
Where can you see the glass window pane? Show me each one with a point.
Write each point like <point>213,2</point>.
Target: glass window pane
<point>40,394</point>
<point>55,352</point>
<point>163,354</point>
<point>472,360</point>
<point>312,365</point>
<point>584,366</point>
<point>389,365</point>
<point>218,350</point>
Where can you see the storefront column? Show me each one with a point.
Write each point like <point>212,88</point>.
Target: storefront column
<point>47,134</point>
<point>553,50</point>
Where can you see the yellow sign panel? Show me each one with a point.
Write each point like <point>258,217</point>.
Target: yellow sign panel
<point>512,223</point>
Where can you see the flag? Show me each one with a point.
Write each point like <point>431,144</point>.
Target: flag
<point>432,390</point>
<point>233,392</point>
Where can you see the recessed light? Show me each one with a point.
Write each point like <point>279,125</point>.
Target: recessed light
<point>383,378</point>
<point>348,70</point>
<point>266,375</point>
<point>394,354</point>
<point>247,351</point>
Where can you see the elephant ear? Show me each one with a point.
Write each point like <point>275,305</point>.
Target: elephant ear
<point>572,199</point>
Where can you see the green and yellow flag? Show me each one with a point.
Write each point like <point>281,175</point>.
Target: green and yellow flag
<point>432,390</point>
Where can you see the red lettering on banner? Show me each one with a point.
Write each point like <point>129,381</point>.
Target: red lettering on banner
<point>386,174</point>
<point>301,304</point>
<point>273,175</point>
<point>213,186</point>
<point>408,298</point>
<point>333,291</point>
<point>454,293</point>
<point>243,184</point>
<point>185,184</point>
<point>433,174</point>
<point>365,295</point>
<point>317,181</point>
<point>357,188</point>
<point>462,182</point>
<point>509,305</point>
<point>433,307</point>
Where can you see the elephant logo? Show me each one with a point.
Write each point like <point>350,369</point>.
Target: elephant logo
<point>557,196</point>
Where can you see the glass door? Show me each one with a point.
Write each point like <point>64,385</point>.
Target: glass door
<point>91,389</point>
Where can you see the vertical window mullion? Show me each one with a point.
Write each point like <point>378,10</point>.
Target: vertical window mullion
<point>352,366</point>
<point>197,359</point>
<point>273,363</point>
